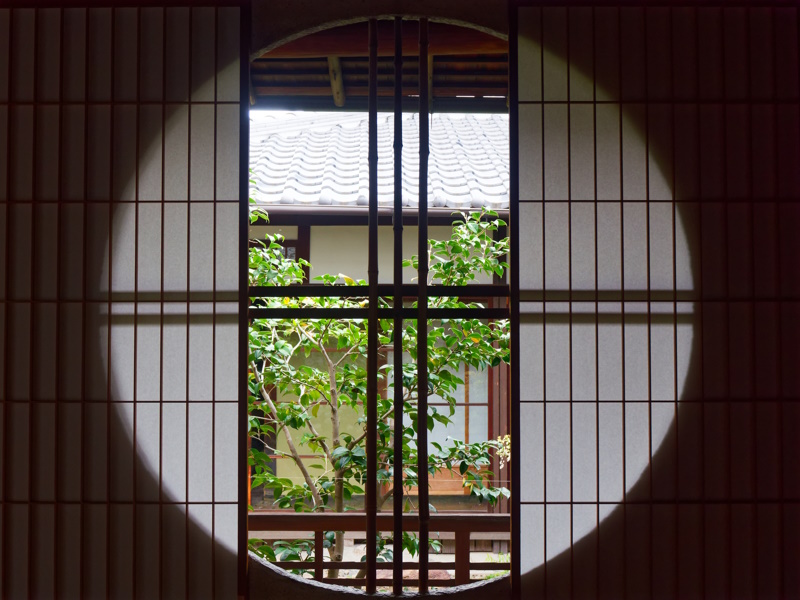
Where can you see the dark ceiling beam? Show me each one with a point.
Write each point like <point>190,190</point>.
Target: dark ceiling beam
<point>443,80</point>
<point>383,91</point>
<point>478,104</point>
<point>351,40</point>
<point>293,214</point>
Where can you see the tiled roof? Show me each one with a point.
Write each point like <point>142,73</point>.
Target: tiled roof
<point>320,159</point>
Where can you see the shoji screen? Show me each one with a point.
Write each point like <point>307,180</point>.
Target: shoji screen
<point>119,142</point>
<point>659,299</point>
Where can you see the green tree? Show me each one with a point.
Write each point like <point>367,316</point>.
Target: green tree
<point>287,391</point>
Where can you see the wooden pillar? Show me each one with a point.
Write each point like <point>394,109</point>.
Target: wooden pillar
<point>462,557</point>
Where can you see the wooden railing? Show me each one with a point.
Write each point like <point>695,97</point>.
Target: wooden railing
<point>292,525</point>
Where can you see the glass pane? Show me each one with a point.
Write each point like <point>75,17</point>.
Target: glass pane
<point>478,423</point>
<point>444,434</point>
<point>478,386</point>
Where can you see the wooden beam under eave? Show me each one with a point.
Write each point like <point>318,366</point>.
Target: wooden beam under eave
<point>337,80</point>
<point>383,91</point>
<point>348,40</point>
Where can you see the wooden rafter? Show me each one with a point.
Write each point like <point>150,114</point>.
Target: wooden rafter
<point>330,67</point>
<point>337,80</point>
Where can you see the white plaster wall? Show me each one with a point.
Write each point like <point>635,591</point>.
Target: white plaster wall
<point>343,249</point>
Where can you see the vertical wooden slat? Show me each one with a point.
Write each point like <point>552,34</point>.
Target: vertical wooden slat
<point>726,308</point>
<point>649,326</point>
<point>34,306</point>
<point>678,491</point>
<point>422,311</point>
<point>569,284</point>
<point>623,566</point>
<point>397,301</point>
<point>724,96</point>
<point>6,341</point>
<point>372,331</point>
<point>244,213</point>
<point>544,296</point>
<point>134,469</point>
<point>109,403</point>
<point>319,554</point>
<point>513,230</point>
<point>673,224</point>
<point>214,322</point>
<point>188,412</point>
<point>462,557</point>
<point>753,290</point>
<point>596,310</point>
<point>163,132</point>
<point>84,297</point>
<point>781,429</point>
<point>57,324</point>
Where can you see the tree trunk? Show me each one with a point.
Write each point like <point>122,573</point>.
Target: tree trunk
<point>337,551</point>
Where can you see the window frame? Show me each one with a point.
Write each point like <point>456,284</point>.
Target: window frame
<point>423,315</point>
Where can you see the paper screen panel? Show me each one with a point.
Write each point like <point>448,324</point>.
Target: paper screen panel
<point>654,298</point>
<point>119,359</point>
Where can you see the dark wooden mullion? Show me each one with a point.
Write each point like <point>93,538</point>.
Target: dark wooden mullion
<point>302,247</point>
<point>397,484</point>
<point>326,216</point>
<point>407,290</point>
<point>372,331</point>
<point>422,312</point>
<point>513,232</point>
<point>244,277</point>
<point>383,313</point>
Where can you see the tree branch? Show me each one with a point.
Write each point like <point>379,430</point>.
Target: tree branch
<point>301,382</point>
<point>385,497</point>
<point>352,350</point>
<point>289,441</point>
<point>355,441</point>
<point>320,441</point>
<point>268,447</point>
<point>333,401</point>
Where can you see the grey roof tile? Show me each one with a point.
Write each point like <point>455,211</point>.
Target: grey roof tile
<point>321,159</point>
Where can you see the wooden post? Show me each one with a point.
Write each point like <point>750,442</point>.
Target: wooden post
<point>249,474</point>
<point>370,497</point>
<point>319,551</point>
<point>462,557</point>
